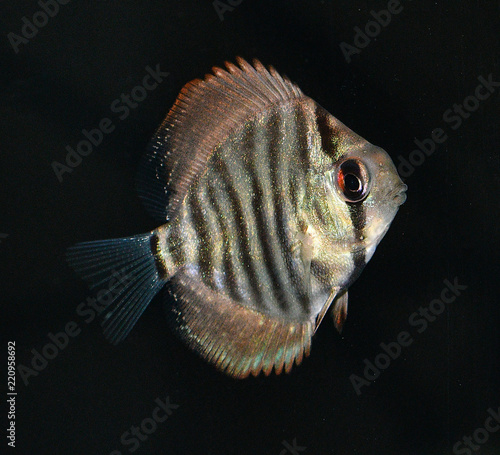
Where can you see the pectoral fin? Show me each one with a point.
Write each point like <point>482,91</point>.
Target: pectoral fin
<point>321,315</point>
<point>339,311</point>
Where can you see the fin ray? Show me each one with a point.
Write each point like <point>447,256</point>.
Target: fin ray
<point>334,291</point>
<point>339,311</point>
<point>119,313</point>
<point>238,340</point>
<point>203,116</point>
<point>98,262</point>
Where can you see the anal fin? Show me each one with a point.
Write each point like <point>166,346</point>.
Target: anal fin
<point>236,339</point>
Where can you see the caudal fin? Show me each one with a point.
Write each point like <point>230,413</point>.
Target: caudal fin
<point>132,258</point>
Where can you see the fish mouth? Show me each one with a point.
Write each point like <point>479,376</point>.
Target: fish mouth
<point>398,194</point>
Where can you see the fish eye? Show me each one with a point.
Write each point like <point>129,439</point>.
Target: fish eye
<point>353,180</point>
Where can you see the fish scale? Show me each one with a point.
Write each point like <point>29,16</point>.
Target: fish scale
<point>269,208</point>
<point>257,245</point>
<point>270,157</point>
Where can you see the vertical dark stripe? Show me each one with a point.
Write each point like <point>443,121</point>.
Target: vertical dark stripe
<point>358,219</point>
<point>241,234</point>
<point>304,132</point>
<point>200,224</point>
<point>231,279</point>
<point>305,122</point>
<point>279,162</point>
<point>328,133</point>
<point>330,137</point>
<point>296,184</point>
<point>259,152</point>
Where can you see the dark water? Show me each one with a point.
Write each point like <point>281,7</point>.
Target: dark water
<point>437,391</point>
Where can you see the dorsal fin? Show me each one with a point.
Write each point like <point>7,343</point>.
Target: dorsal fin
<point>236,339</point>
<point>205,113</point>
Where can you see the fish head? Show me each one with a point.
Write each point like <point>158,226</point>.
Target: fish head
<point>367,181</point>
<point>361,186</point>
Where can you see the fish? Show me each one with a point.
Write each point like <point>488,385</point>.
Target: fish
<point>270,208</point>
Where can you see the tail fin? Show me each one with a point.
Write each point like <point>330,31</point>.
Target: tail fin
<point>133,258</point>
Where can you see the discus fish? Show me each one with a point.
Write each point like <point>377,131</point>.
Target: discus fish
<point>270,208</point>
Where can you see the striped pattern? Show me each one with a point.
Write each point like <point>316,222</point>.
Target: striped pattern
<point>203,115</point>
<point>238,231</point>
<point>259,239</point>
<point>335,141</point>
<point>237,340</point>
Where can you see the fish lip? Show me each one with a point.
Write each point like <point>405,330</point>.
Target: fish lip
<point>398,194</point>
<point>400,199</point>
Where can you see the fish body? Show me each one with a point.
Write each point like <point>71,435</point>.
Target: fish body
<point>272,209</point>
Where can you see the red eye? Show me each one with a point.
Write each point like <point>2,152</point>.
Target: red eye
<point>352,180</point>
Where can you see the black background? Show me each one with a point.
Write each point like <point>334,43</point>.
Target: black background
<point>395,90</point>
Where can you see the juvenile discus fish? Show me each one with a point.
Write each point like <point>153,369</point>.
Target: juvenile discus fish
<point>269,207</point>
